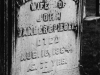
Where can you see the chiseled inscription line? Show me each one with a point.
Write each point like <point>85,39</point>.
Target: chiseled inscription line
<point>45,29</point>
<point>47,66</point>
<point>44,53</point>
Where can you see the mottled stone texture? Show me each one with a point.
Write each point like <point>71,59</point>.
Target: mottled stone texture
<point>74,71</point>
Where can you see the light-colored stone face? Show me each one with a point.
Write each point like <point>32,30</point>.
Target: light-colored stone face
<point>47,40</point>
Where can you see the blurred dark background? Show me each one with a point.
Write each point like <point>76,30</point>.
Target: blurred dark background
<point>92,7</point>
<point>90,40</point>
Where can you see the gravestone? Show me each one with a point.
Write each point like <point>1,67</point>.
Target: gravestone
<point>47,40</point>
